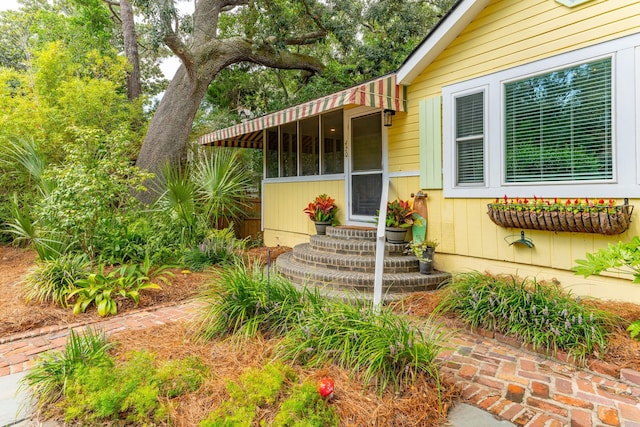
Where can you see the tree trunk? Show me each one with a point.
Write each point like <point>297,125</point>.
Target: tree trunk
<point>171,124</point>
<point>134,87</point>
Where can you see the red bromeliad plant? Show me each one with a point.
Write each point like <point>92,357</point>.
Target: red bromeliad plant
<point>322,209</point>
<point>399,214</point>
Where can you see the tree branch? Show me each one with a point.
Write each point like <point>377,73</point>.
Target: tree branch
<point>300,40</point>
<point>237,50</point>
<point>177,46</point>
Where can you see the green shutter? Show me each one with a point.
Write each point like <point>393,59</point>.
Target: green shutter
<point>431,143</point>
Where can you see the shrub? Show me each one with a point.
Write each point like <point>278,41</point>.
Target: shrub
<point>384,347</point>
<point>539,314</point>
<point>255,388</point>
<point>305,408</point>
<point>220,247</point>
<point>53,280</point>
<point>245,302</point>
<point>131,391</point>
<point>53,371</point>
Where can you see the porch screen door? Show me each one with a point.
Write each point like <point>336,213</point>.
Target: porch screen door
<point>365,172</point>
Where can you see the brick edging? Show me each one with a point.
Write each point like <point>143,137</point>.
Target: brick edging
<point>626,375</point>
<point>45,330</point>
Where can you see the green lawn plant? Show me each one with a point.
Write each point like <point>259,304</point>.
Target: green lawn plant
<point>385,348</point>
<point>245,301</point>
<point>538,314</point>
<point>132,392</point>
<point>275,385</point>
<point>621,258</point>
<point>53,372</point>
<point>53,279</point>
<point>256,387</point>
<point>219,247</point>
<point>382,346</point>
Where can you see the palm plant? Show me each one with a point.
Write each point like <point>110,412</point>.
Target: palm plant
<point>179,199</point>
<point>222,183</point>
<point>24,156</point>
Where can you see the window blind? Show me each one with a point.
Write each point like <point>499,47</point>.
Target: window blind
<point>469,127</point>
<point>558,125</point>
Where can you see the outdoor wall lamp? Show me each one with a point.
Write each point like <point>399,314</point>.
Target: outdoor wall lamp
<point>388,117</point>
<point>524,241</point>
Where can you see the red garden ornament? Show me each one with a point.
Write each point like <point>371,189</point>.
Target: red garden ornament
<point>325,387</point>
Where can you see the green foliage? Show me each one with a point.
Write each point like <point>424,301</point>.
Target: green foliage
<point>94,184</point>
<point>53,279</point>
<point>21,224</point>
<point>49,379</point>
<point>101,288</point>
<point>622,258</point>
<point>244,302</point>
<point>634,329</point>
<point>384,347</point>
<point>222,184</point>
<point>255,388</point>
<point>220,247</point>
<point>130,392</point>
<point>305,408</point>
<point>539,314</point>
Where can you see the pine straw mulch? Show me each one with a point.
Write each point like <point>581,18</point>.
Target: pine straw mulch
<point>17,316</point>
<point>227,360</point>
<point>623,351</point>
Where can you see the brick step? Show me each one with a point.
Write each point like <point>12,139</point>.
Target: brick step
<point>331,244</point>
<point>346,232</point>
<point>313,259</point>
<point>359,282</point>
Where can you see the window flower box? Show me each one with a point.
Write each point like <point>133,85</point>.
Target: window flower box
<point>579,216</point>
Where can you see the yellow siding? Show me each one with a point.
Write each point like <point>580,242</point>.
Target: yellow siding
<point>285,223</point>
<point>506,34</point>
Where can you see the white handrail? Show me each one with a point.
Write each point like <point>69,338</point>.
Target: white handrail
<point>380,241</point>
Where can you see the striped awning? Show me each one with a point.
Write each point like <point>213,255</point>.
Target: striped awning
<point>381,93</point>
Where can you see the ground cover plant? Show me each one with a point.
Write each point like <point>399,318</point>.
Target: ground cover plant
<point>378,344</point>
<point>538,314</point>
<point>84,384</point>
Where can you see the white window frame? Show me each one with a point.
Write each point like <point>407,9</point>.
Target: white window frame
<point>485,136</point>
<point>625,135</point>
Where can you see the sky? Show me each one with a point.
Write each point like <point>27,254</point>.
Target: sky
<point>8,4</point>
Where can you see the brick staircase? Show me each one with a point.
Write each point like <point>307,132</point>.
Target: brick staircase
<point>343,261</point>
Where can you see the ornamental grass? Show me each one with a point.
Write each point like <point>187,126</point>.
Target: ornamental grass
<point>539,314</point>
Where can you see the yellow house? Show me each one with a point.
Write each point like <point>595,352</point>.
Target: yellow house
<point>518,98</point>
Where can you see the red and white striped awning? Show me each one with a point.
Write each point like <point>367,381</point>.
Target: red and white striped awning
<point>381,93</point>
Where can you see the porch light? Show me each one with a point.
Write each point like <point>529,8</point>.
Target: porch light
<point>388,114</point>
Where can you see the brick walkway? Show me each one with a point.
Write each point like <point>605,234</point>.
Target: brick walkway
<point>510,382</point>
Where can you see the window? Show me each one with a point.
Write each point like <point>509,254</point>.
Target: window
<point>558,125</point>
<point>333,143</point>
<point>470,138</point>
<point>309,150</point>
<point>294,149</point>
<point>563,126</point>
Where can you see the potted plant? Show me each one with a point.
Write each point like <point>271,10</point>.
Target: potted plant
<point>322,211</point>
<point>399,218</point>
<point>424,250</point>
